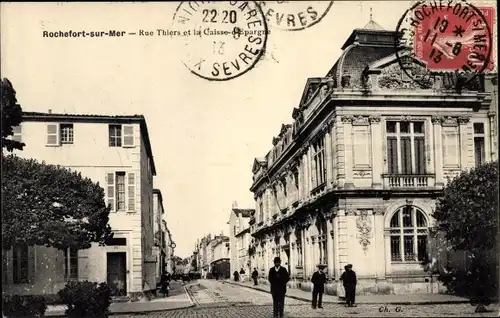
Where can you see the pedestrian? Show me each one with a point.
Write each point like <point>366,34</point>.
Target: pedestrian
<point>255,275</point>
<point>349,280</point>
<point>318,279</point>
<point>278,277</point>
<point>236,276</point>
<point>242,275</point>
<point>165,285</point>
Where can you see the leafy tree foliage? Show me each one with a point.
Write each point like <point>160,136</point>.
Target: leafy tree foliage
<point>468,211</point>
<point>12,115</point>
<point>50,205</point>
<point>467,215</point>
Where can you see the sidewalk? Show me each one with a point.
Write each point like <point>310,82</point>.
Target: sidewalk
<point>179,301</point>
<point>409,299</point>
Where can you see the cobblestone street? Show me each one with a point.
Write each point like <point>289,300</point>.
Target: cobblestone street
<point>215,299</point>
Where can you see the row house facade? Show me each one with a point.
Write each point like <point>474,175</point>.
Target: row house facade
<point>169,246</point>
<point>355,177</point>
<point>220,256</point>
<point>201,252</point>
<point>160,247</point>
<point>114,151</point>
<point>239,239</point>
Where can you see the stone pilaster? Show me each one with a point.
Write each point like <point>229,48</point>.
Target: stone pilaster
<point>304,251</point>
<point>329,249</point>
<point>315,250</point>
<point>348,164</point>
<point>340,153</point>
<point>376,132</point>
<point>438,150</point>
<point>492,136</point>
<point>342,239</point>
<point>329,157</point>
<point>464,153</point>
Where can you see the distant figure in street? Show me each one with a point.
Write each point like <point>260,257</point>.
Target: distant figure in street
<point>318,279</point>
<point>165,284</point>
<point>242,275</point>
<point>236,276</point>
<point>278,277</point>
<point>255,275</point>
<point>349,280</point>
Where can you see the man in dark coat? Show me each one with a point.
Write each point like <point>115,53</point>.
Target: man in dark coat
<point>278,277</point>
<point>318,279</point>
<point>349,279</point>
<point>255,275</point>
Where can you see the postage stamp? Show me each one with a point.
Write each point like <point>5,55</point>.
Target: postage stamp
<point>222,40</point>
<point>447,36</point>
<point>294,15</point>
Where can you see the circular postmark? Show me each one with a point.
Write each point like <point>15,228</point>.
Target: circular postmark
<point>294,15</point>
<point>223,40</point>
<point>450,37</point>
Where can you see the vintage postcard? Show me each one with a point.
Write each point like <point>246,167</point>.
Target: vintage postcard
<point>250,158</point>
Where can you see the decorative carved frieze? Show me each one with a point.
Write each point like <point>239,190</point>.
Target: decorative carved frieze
<point>347,119</point>
<point>361,120</point>
<point>379,210</point>
<point>350,212</point>
<point>409,201</point>
<point>364,225</point>
<point>449,121</point>
<point>463,119</point>
<point>362,174</point>
<point>374,119</point>
<point>437,119</point>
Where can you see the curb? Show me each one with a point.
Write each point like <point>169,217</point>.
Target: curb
<point>444,302</point>
<point>139,312</point>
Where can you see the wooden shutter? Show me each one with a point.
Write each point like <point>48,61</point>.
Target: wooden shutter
<point>17,130</point>
<point>110,190</point>
<point>420,155</point>
<point>392,155</point>
<point>83,265</point>
<point>128,136</point>
<point>131,191</point>
<point>52,135</point>
<point>31,264</point>
<point>406,155</point>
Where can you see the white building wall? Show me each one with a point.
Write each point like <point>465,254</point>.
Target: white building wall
<point>91,155</point>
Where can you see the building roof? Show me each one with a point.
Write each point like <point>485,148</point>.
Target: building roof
<point>122,119</point>
<point>246,213</point>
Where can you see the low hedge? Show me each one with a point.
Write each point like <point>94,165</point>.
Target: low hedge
<point>86,299</point>
<point>23,306</point>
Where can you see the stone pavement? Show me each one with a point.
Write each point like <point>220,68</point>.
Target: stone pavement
<point>409,299</point>
<point>178,300</point>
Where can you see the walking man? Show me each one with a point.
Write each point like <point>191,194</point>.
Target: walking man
<point>349,280</point>
<point>278,277</point>
<point>318,279</point>
<point>255,275</point>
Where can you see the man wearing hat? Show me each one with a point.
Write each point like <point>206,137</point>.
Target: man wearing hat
<point>318,279</point>
<point>349,279</point>
<point>278,277</point>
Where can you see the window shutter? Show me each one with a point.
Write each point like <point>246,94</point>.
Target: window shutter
<point>52,135</point>
<point>110,190</point>
<point>83,265</point>
<point>128,136</point>
<point>420,155</point>
<point>31,264</point>
<point>17,130</point>
<point>406,155</point>
<point>392,155</point>
<point>131,191</point>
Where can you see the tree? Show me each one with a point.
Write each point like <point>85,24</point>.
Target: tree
<point>468,215</point>
<point>12,115</point>
<point>50,205</point>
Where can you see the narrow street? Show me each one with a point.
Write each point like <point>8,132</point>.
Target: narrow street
<point>218,299</point>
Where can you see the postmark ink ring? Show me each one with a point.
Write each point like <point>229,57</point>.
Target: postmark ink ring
<point>223,40</point>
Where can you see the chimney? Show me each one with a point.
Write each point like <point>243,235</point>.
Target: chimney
<point>50,111</point>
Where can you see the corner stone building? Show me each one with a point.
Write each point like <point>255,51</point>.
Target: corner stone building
<point>355,178</point>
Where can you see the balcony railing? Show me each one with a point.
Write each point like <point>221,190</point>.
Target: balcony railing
<point>408,181</point>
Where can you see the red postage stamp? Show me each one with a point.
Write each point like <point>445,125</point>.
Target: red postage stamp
<point>454,36</point>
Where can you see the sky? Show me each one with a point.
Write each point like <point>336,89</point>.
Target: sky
<point>204,134</point>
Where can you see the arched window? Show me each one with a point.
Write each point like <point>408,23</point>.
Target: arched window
<point>409,235</point>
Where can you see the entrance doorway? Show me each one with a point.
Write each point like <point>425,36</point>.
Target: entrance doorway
<point>117,273</point>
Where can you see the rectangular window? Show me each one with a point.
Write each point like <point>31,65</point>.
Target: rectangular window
<point>479,152</point>
<point>115,135</point>
<point>71,264</point>
<point>66,133</point>
<point>261,211</point>
<point>451,146</point>
<point>319,166</point>
<point>405,147</point>
<point>422,247</point>
<point>20,264</point>
<point>120,191</point>
<point>408,248</point>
